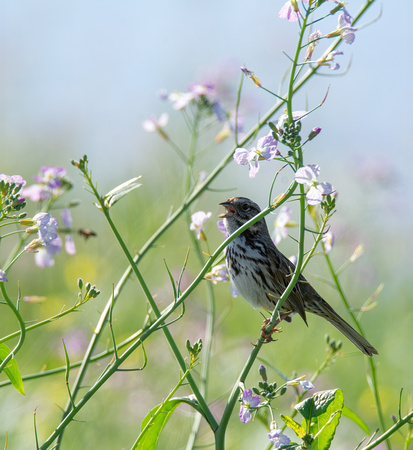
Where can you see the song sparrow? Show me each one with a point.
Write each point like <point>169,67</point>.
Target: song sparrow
<point>260,272</point>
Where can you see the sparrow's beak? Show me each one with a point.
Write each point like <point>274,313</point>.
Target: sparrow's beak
<point>229,210</point>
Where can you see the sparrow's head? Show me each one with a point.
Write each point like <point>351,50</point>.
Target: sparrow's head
<point>239,210</point>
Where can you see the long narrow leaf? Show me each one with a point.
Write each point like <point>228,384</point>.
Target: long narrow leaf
<point>156,419</point>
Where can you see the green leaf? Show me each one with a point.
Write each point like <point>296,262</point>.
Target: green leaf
<point>11,369</point>
<point>315,405</point>
<point>296,427</point>
<point>323,427</point>
<point>347,412</point>
<point>156,419</point>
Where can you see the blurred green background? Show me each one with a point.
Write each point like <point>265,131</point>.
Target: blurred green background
<point>80,77</point>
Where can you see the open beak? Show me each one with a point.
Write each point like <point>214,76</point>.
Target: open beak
<point>229,210</point>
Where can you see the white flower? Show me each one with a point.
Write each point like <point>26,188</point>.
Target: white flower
<point>308,175</point>
<point>198,221</point>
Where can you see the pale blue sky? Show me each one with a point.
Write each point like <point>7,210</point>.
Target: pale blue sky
<point>80,77</point>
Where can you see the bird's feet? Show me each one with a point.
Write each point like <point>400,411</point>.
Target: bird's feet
<point>267,336</point>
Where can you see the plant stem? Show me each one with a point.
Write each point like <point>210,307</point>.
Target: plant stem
<point>21,325</point>
<point>390,431</point>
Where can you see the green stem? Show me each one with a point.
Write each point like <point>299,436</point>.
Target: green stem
<point>293,67</point>
<point>21,324</point>
<point>372,376</point>
<point>154,307</point>
<point>390,431</point>
<point>43,322</point>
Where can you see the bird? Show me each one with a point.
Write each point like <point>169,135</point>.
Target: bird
<point>261,273</point>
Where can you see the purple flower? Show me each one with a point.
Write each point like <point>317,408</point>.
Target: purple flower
<point>250,74</point>
<point>218,273</point>
<point>308,175</point>
<point>329,60</point>
<point>266,150</point>
<point>289,12</point>
<point>15,179</point>
<point>328,241</point>
<point>198,221</point>
<point>306,385</point>
<point>221,228</point>
<point>202,89</point>
<point>278,439</point>
<point>281,224</point>
<point>153,124</point>
<point>3,276</point>
<point>313,41</point>
<point>36,192</point>
<point>219,111</point>
<point>315,36</point>
<point>67,223</point>
<point>48,243</point>
<point>51,176</point>
<point>50,181</point>
<point>243,157</point>
<point>345,30</point>
<point>249,402</point>
<point>46,227</point>
<point>43,258</point>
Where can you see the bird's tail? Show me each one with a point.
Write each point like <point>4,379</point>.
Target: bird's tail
<point>359,341</point>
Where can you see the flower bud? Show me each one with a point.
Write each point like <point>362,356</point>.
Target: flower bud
<point>314,132</point>
<point>27,222</point>
<point>263,372</point>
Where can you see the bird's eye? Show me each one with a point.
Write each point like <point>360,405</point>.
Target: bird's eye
<point>245,207</point>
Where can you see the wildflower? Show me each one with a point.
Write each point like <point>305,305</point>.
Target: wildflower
<point>48,242</point>
<point>218,273</point>
<point>43,258</point>
<point>243,157</point>
<point>50,183</point>
<point>278,439</point>
<point>249,402</point>
<point>51,176</point>
<point>329,60</point>
<point>281,223</point>
<point>313,41</point>
<point>250,74</point>
<point>153,124</point>
<point>180,100</point>
<point>202,89</point>
<point>290,11</point>
<point>328,242</point>
<point>46,227</point>
<point>67,223</point>
<point>306,385</point>
<point>12,179</point>
<point>345,30</point>
<point>219,112</point>
<point>3,276</point>
<point>266,150</point>
<point>36,193</point>
<point>308,175</point>
<point>198,221</point>
<point>221,228</point>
